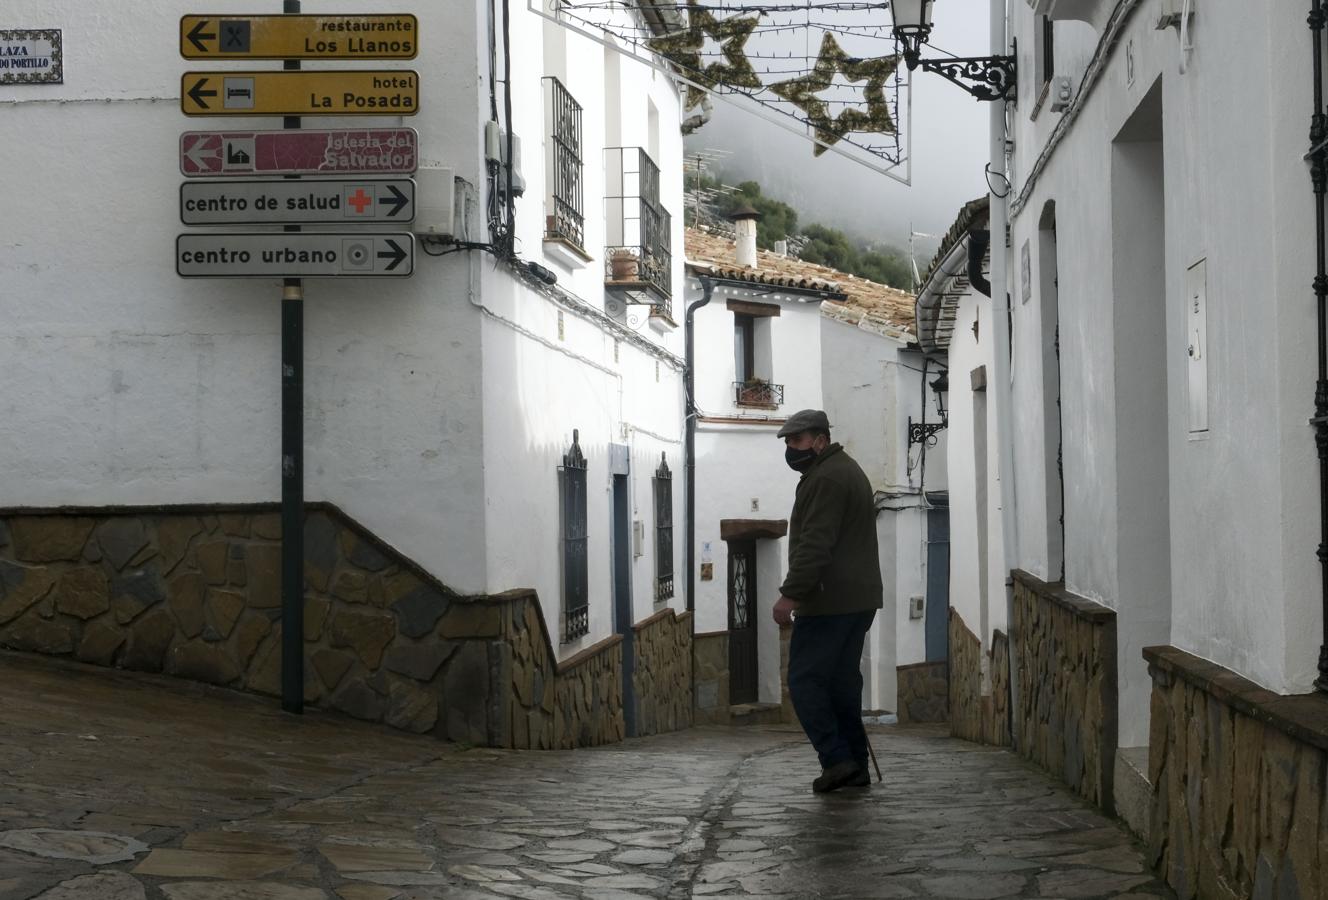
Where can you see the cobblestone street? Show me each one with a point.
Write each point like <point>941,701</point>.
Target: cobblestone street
<point>122,787</point>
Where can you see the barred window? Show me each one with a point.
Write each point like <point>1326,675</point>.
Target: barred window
<point>564,218</point>
<point>638,242</point>
<point>576,572</point>
<point>663,530</point>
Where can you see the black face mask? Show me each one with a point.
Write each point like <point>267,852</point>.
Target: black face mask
<point>799,460</point>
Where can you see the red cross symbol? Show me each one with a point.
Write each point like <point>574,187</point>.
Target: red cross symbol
<point>359,200</point>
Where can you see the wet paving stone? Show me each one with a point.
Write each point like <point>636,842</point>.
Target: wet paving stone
<point>148,788</point>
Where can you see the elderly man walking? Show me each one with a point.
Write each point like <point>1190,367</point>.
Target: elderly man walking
<point>834,587</point>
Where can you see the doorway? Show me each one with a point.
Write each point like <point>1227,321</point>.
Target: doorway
<point>1141,416</point>
<point>937,622</point>
<point>622,597</point>
<point>743,687</point>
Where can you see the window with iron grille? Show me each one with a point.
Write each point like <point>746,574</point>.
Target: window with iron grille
<point>564,218</point>
<point>576,570</point>
<point>638,239</point>
<point>1046,60</point>
<point>663,530</point>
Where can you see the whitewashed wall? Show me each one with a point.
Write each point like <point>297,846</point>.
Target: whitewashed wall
<point>977,592</point>
<point>129,385</point>
<point>436,425</point>
<point>548,371</point>
<point>1243,585</point>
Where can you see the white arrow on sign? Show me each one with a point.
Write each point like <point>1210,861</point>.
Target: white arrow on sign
<point>203,151</point>
<point>307,254</point>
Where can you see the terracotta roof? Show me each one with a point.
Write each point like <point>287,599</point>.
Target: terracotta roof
<point>854,299</point>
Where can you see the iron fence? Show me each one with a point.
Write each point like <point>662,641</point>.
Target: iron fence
<point>758,393</point>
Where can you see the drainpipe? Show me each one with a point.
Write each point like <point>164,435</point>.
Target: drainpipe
<point>1000,223</point>
<point>1319,176</point>
<point>689,451</point>
<point>978,240</point>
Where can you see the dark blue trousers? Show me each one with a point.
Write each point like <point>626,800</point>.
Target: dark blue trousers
<point>825,683</point>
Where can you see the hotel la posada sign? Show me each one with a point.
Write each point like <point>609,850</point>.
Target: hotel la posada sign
<point>29,56</point>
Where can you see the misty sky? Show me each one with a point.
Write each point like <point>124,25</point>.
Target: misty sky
<point>950,149</point>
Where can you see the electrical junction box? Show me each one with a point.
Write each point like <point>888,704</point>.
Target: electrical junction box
<point>638,538</point>
<point>916,607</point>
<point>436,208</point>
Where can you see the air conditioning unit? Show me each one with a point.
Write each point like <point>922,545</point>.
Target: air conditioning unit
<point>1062,92</point>
<point>436,213</point>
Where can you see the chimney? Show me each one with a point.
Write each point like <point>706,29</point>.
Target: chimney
<point>744,222</point>
<point>781,249</point>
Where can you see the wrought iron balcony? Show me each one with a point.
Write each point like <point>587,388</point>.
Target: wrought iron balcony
<point>758,393</point>
<point>564,219</point>
<point>638,256</point>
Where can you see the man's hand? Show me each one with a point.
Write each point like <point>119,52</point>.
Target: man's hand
<point>784,608</point>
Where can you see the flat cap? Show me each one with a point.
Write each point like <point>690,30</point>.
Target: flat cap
<point>805,420</point>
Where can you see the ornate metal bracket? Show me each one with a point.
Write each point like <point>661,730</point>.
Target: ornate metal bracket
<point>985,77</point>
<point>923,432</point>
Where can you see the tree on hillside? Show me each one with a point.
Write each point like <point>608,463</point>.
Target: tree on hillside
<point>823,245</point>
<point>832,247</point>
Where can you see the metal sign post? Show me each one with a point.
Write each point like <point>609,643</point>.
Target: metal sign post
<point>293,254</point>
<point>292,469</point>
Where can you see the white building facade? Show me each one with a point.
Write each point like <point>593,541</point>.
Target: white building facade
<point>440,409</point>
<point>1166,593</point>
<point>775,337</point>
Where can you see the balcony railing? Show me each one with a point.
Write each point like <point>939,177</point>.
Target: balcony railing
<point>563,210</point>
<point>758,393</point>
<point>637,254</point>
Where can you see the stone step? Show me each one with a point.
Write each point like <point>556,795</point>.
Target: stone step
<point>754,714</point>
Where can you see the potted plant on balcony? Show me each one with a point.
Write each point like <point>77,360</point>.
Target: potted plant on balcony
<point>623,264</point>
<point>755,391</point>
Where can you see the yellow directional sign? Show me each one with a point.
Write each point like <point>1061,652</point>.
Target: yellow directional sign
<point>299,37</point>
<point>364,92</point>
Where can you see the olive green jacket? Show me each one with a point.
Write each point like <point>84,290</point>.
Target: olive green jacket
<point>834,564</point>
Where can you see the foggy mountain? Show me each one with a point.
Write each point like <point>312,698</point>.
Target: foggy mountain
<point>949,152</point>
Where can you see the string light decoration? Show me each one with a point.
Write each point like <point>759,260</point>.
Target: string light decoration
<point>684,48</point>
<point>828,69</point>
<point>802,93</point>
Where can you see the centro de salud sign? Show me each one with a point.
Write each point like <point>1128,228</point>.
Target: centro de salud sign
<point>299,37</point>
<point>31,56</point>
<point>281,201</point>
<point>360,92</point>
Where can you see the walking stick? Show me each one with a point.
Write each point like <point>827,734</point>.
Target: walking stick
<point>872,751</point>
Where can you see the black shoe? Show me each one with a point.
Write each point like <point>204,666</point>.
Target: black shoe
<point>862,779</point>
<point>841,774</point>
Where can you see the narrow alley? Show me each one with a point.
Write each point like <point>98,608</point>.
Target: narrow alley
<point>123,787</point>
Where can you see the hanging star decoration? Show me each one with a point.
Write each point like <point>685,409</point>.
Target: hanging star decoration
<point>801,92</point>
<point>683,49</point>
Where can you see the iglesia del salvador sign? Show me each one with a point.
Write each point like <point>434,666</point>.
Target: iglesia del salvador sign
<point>31,57</point>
